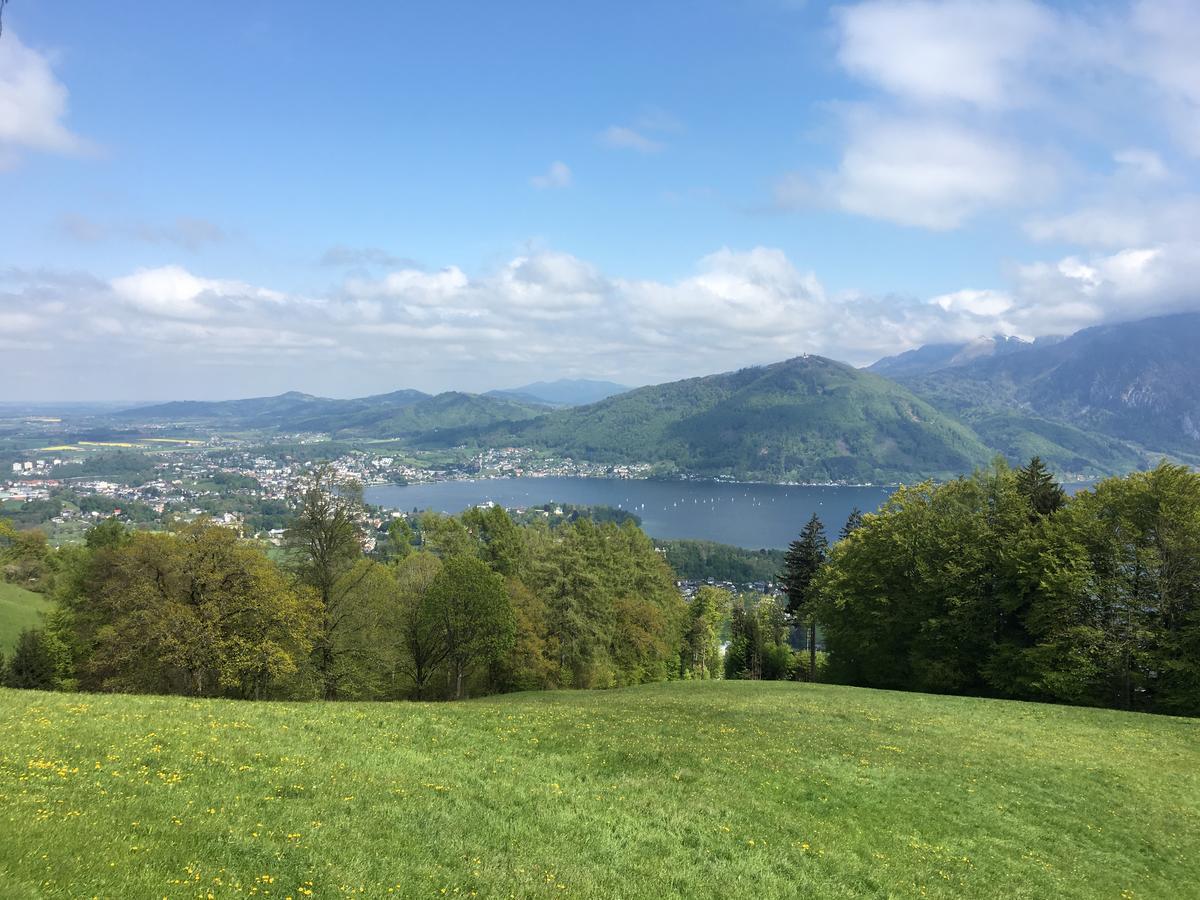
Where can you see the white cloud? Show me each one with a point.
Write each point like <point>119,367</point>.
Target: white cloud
<point>984,304</point>
<point>930,173</point>
<point>1089,227</point>
<point>174,292</point>
<point>1141,162</point>
<point>623,138</point>
<point>541,314</point>
<point>33,105</point>
<point>972,51</point>
<point>1161,46</point>
<point>1059,82</point>
<point>557,176</point>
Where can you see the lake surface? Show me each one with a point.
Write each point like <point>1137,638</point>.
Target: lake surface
<point>746,515</point>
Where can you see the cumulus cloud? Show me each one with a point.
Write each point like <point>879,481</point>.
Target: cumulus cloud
<point>948,77</point>
<point>927,172</point>
<point>973,51</point>
<point>174,292</point>
<point>931,173</point>
<point>33,105</point>
<point>1161,47</point>
<point>557,176</point>
<point>542,313</point>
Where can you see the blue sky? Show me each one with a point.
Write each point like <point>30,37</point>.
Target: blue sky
<point>357,197</point>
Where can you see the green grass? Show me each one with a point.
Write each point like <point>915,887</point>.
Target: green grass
<point>686,790</point>
<point>19,609</point>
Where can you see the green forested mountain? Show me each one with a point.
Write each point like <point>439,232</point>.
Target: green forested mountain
<point>1103,401</point>
<point>563,392</point>
<point>265,410</point>
<point>1091,394</point>
<point>404,413</point>
<point>808,418</point>
<point>425,417</point>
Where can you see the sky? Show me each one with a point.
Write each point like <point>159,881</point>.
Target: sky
<point>211,201</point>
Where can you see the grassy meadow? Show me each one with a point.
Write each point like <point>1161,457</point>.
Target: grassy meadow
<point>19,609</point>
<point>697,789</point>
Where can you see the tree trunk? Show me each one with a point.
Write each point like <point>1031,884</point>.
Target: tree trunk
<point>812,649</point>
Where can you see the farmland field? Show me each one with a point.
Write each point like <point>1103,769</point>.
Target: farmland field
<point>698,789</point>
<point>19,609</point>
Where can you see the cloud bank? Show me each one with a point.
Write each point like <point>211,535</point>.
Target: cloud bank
<point>545,312</point>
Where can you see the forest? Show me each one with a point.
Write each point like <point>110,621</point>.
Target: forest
<point>453,607</point>
<point>996,584</point>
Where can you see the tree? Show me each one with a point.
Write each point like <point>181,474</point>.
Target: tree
<point>758,647</point>
<point>607,591</point>
<point>32,666</point>
<point>922,593</point>
<point>400,539</point>
<point>853,522</point>
<point>194,612</point>
<point>803,561</point>
<point>476,619</point>
<point>445,535</point>
<point>419,624</point>
<point>1037,485</point>
<point>24,555</point>
<point>501,544</point>
<point>325,543</point>
<point>353,647</point>
<point>700,652</point>
<point>1124,630</point>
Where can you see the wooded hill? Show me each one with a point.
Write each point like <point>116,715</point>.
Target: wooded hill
<point>1106,400</point>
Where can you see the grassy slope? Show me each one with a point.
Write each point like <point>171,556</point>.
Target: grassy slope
<point>686,790</point>
<point>19,609</point>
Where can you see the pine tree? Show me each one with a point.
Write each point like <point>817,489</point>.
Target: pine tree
<point>1037,485</point>
<point>32,664</point>
<point>853,523</point>
<point>803,561</point>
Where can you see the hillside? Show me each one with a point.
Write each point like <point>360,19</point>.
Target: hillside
<point>1127,382</point>
<point>808,418</point>
<point>404,413</point>
<point>696,789</point>
<point>19,609</point>
<point>425,417</point>
<point>563,392</point>
<point>1103,401</point>
<point>253,410</point>
<point>934,357</point>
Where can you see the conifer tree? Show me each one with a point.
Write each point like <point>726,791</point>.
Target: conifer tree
<point>853,523</point>
<point>1037,485</point>
<point>32,665</point>
<point>804,559</point>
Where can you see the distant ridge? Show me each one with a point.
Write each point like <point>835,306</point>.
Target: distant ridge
<point>1105,400</point>
<point>403,413</point>
<point>1129,381</point>
<point>807,418</point>
<point>563,392</point>
<point>933,357</point>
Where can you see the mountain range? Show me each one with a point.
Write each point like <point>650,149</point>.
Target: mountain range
<point>563,392</point>
<point>1133,382</point>
<point>1104,400</point>
<point>933,357</point>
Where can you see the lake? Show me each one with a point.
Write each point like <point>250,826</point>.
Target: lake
<point>746,515</point>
